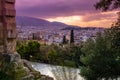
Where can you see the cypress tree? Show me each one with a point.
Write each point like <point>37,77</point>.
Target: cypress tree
<point>72,36</point>
<point>64,40</point>
<point>33,36</point>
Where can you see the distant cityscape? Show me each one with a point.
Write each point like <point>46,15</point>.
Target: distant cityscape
<point>54,35</point>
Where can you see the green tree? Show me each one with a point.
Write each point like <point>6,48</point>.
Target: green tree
<point>52,54</point>
<point>94,59</point>
<point>44,53</point>
<point>102,55</point>
<point>22,49</point>
<point>112,36</point>
<point>30,50</point>
<point>74,55</point>
<point>34,49</point>
<point>100,58</point>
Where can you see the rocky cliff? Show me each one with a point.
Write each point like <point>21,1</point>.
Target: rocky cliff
<point>12,67</point>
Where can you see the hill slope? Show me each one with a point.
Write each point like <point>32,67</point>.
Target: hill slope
<point>29,21</point>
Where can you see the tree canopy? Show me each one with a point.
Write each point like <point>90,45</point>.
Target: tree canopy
<point>102,55</point>
<point>107,4</point>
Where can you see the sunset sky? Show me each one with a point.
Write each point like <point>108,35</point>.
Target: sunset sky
<point>74,12</point>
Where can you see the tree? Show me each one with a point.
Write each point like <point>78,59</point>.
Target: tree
<point>102,55</point>
<point>33,36</point>
<point>64,40</point>
<point>114,34</point>
<point>76,50</point>
<point>22,49</point>
<point>98,60</point>
<point>107,4</point>
<point>52,54</point>
<point>34,49</point>
<point>29,50</point>
<point>72,36</point>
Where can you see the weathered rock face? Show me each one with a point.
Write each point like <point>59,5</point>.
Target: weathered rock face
<point>12,67</point>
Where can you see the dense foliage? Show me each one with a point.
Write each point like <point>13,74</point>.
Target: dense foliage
<point>102,55</point>
<point>68,55</point>
<point>29,50</point>
<point>107,4</point>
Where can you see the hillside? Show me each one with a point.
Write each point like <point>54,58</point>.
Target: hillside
<point>29,21</point>
<point>41,23</point>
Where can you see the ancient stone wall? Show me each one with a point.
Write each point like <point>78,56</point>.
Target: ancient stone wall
<point>7,26</point>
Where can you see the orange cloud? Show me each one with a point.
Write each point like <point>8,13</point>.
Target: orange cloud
<point>102,19</point>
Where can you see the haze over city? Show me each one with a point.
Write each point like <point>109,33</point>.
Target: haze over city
<point>74,12</point>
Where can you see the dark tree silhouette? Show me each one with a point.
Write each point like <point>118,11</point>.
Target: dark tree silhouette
<point>64,40</point>
<point>33,36</point>
<point>107,4</point>
<point>72,36</point>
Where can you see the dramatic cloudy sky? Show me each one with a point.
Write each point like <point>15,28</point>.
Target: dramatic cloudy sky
<point>73,12</point>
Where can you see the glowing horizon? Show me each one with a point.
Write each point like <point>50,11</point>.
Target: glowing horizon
<point>82,22</point>
<point>75,12</point>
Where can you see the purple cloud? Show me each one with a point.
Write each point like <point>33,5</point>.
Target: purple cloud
<point>64,8</point>
<point>54,8</point>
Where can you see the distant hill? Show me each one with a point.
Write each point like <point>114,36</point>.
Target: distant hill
<point>29,21</point>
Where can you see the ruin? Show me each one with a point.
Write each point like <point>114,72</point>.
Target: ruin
<point>12,67</point>
<point>7,26</point>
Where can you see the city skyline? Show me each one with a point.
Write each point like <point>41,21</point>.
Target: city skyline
<point>75,12</point>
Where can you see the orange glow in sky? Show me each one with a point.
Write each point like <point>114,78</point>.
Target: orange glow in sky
<point>73,12</point>
<point>78,20</point>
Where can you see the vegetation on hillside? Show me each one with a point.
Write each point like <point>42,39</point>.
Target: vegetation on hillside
<point>68,55</point>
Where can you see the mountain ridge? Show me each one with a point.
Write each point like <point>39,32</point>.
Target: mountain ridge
<point>30,21</point>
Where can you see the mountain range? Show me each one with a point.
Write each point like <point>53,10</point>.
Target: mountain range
<point>29,21</point>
